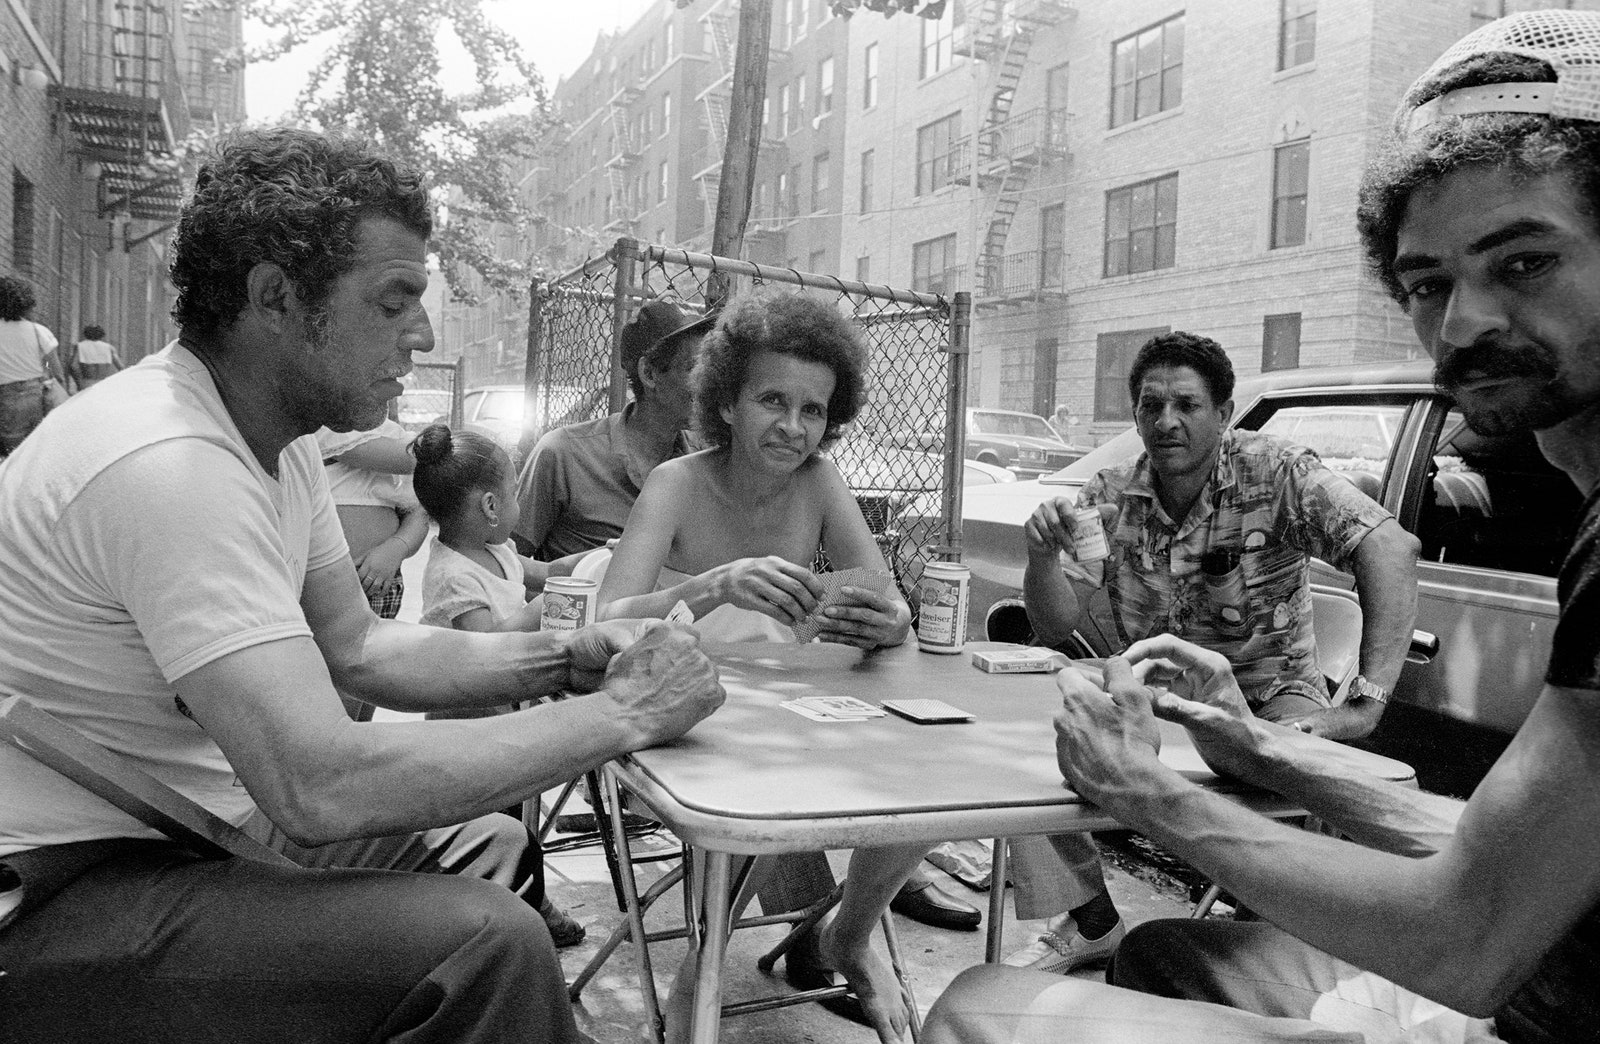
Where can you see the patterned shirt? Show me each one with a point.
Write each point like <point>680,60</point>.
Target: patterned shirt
<point>1268,506</point>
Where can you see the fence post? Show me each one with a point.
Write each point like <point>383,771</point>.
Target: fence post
<point>530,365</point>
<point>457,399</point>
<point>627,255</point>
<point>955,422</point>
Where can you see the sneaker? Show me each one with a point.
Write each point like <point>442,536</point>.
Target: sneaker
<point>1065,949</point>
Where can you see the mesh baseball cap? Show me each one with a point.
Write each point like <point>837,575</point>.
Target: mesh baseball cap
<point>656,324</point>
<point>1569,41</point>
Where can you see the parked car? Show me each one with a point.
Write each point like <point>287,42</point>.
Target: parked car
<point>1025,443</point>
<point>1494,518</point>
<point>420,407</point>
<point>497,410</point>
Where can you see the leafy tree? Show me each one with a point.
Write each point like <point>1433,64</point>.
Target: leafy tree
<point>379,80</point>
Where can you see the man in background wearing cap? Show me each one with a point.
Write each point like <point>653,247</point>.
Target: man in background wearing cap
<point>581,480</point>
<point>1473,922</point>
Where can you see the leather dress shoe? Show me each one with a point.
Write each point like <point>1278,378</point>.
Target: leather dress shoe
<point>926,902</point>
<point>804,970</point>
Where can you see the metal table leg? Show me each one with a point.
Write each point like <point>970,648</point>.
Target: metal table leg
<point>705,1021</point>
<point>997,901</point>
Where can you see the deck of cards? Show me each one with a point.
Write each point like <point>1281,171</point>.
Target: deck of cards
<point>832,708</point>
<point>832,583</point>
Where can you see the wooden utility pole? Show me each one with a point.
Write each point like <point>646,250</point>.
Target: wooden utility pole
<point>740,151</point>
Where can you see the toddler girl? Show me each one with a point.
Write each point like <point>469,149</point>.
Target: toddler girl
<point>475,580</point>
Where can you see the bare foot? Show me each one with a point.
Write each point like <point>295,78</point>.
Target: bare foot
<point>873,982</point>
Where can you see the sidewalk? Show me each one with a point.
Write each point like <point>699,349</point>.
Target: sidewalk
<point>612,1011</point>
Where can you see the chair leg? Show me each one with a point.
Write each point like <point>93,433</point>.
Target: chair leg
<point>629,894</point>
<point>1208,899</point>
<point>610,828</point>
<point>532,811</point>
<point>997,901</point>
<point>808,919</point>
<point>892,942</point>
<point>624,931</point>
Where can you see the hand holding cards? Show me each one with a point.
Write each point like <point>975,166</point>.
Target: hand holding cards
<point>833,584</point>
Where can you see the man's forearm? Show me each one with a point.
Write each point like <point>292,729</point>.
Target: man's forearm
<point>414,668</point>
<point>1386,580</point>
<point>1053,605</point>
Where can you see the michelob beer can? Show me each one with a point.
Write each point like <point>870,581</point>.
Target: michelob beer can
<point>568,603</point>
<point>942,613</point>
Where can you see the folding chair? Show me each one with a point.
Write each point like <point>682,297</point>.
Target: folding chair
<point>58,745</point>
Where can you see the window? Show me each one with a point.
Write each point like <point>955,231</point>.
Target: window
<point>1044,375</point>
<point>1142,226</point>
<point>869,77</point>
<point>666,48</point>
<point>783,110</point>
<point>931,264</point>
<point>1496,503</point>
<point>935,147</point>
<point>1297,32</point>
<point>938,41</point>
<point>1055,101</point>
<point>666,114</point>
<point>793,201</point>
<point>1280,341</point>
<point>866,180</point>
<point>819,179</point>
<point>1052,246</point>
<point>1114,354</point>
<point>783,195</point>
<point>22,219</point>
<point>1291,173</point>
<point>1487,11</point>
<point>863,268</point>
<point>1354,438</point>
<point>661,183</point>
<point>818,261</point>
<point>825,86</point>
<point>1147,72</point>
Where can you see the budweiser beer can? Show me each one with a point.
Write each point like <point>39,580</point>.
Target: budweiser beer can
<point>1089,536</point>
<point>568,603</point>
<point>942,607</point>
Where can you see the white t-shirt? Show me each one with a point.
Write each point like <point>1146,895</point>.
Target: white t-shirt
<point>453,584</point>
<point>23,346</point>
<point>352,486</point>
<point>139,540</point>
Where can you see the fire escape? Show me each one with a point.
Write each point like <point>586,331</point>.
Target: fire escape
<point>128,113</point>
<point>1010,147</point>
<point>622,168</point>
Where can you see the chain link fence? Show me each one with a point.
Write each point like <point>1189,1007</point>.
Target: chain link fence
<point>433,393</point>
<point>902,456</point>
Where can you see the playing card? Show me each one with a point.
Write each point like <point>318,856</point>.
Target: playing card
<point>832,583</point>
<point>818,714</point>
<point>680,613</point>
<point>844,706</point>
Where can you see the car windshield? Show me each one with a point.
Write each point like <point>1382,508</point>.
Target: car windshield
<point>501,405</point>
<point>1012,424</point>
<point>420,405</point>
<point>1116,451</point>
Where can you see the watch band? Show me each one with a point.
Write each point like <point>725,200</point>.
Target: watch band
<point>1362,689</point>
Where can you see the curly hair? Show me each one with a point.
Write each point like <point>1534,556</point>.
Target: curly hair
<point>789,323</point>
<point>1525,146</point>
<point>1201,354</point>
<point>94,333</point>
<point>16,298</point>
<point>453,465</point>
<point>287,197</point>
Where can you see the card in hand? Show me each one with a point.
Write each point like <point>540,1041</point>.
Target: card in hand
<point>832,583</point>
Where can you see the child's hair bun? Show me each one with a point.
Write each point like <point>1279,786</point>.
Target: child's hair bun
<point>433,445</point>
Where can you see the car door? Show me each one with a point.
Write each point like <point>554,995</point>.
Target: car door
<point>1495,520</point>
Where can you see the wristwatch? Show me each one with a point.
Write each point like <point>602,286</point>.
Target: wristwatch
<point>1361,689</point>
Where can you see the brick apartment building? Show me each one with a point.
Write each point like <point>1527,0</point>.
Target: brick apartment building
<point>1093,171</point>
<point>94,97</point>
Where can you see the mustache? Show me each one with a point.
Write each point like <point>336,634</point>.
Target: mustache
<point>1492,360</point>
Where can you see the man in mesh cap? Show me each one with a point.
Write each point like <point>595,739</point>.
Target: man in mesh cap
<point>1440,921</point>
<point>581,480</point>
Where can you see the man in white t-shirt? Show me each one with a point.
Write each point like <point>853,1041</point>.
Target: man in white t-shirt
<point>175,585</point>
